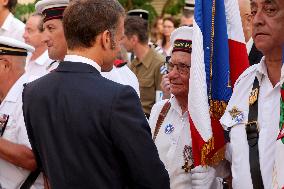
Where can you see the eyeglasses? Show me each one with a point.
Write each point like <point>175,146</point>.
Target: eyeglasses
<point>181,67</point>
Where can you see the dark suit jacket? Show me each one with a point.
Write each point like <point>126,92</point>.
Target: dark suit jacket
<point>254,55</point>
<point>88,132</point>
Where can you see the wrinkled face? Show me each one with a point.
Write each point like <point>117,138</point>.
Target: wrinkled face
<point>5,71</point>
<point>33,36</point>
<point>3,60</point>
<point>179,74</point>
<point>268,25</point>
<point>114,49</point>
<point>55,39</point>
<point>3,74</point>
<point>168,27</point>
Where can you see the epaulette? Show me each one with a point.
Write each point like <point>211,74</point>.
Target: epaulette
<point>119,63</point>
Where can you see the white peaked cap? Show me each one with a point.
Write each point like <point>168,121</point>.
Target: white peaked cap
<point>42,5</point>
<point>11,46</point>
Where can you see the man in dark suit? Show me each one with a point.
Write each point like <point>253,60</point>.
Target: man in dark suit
<point>86,131</point>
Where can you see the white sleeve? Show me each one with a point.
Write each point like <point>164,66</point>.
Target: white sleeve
<point>22,132</point>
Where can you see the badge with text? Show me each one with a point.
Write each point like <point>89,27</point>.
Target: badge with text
<point>169,129</point>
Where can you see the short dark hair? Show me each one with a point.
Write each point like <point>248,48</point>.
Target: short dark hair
<point>11,5</point>
<point>134,25</point>
<point>84,20</point>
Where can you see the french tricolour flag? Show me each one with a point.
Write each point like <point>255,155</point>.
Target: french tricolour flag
<point>219,56</point>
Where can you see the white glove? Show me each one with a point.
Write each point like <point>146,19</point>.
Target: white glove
<point>202,177</point>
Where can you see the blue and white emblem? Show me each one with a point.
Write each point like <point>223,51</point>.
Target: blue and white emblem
<point>237,116</point>
<point>169,129</point>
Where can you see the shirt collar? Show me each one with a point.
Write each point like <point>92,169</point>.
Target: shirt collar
<point>77,58</point>
<point>146,61</point>
<point>262,71</point>
<point>175,105</point>
<point>261,68</point>
<point>8,22</point>
<point>41,60</point>
<point>16,90</point>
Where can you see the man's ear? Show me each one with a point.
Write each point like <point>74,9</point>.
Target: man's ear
<point>6,64</point>
<point>106,39</point>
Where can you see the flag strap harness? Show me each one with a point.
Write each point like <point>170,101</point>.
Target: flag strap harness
<point>252,131</point>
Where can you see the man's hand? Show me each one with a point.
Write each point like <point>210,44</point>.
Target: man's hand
<point>165,86</point>
<point>202,177</point>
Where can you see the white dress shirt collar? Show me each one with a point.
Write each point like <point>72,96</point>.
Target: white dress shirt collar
<point>175,105</point>
<point>77,58</point>
<point>262,71</point>
<point>7,25</point>
<point>40,60</point>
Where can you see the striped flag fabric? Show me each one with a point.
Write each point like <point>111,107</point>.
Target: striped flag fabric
<point>219,56</point>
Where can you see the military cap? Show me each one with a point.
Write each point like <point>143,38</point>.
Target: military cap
<point>51,9</point>
<point>181,39</point>
<point>139,12</point>
<point>11,46</point>
<point>189,5</point>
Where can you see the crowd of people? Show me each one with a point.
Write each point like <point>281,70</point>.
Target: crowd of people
<point>92,97</point>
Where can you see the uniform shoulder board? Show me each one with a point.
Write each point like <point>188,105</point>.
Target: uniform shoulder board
<point>119,63</point>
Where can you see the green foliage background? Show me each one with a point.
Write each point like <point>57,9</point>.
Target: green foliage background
<point>22,12</point>
<point>172,7</point>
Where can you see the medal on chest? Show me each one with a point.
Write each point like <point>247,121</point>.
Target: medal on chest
<point>3,122</point>
<point>188,160</point>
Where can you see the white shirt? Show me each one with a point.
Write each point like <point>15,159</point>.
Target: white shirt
<point>170,146</point>
<point>278,180</point>
<point>12,27</point>
<point>81,59</point>
<point>268,121</point>
<point>11,176</point>
<point>124,76</point>
<point>38,67</point>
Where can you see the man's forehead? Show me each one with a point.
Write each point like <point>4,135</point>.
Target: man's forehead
<point>53,22</point>
<point>264,1</point>
<point>2,56</point>
<point>179,56</point>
